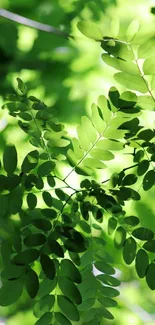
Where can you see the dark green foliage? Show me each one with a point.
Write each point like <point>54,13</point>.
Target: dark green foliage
<point>60,239</point>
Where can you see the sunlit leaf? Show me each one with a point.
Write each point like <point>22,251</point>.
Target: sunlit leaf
<point>120,236</point>
<point>132,30</point>
<point>131,82</point>
<point>90,30</point>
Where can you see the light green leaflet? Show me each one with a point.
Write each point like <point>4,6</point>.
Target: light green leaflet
<point>97,137</point>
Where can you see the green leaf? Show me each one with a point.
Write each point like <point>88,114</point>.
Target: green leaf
<point>107,144</point>
<point>120,236</point>
<point>49,213</point>
<point>69,289</point>
<point>85,226</point>
<point>148,66</point>
<point>30,161</point>
<point>121,65</point>
<point>101,154</point>
<point>45,319</point>
<point>55,247</point>
<point>98,122</point>
<point>86,304</point>
<point>129,179</point>
<point>42,224</point>
<point>68,308</point>
<point>69,270</point>
<point>50,180</point>
<point>109,292</point>
<point>143,233</point>
<point>44,305</point>
<point>149,180</point>
<point>47,198</point>
<point>10,159</point>
<point>129,250</point>
<point>90,30</point>
<point>141,263</point>
<point>35,240</point>
<point>104,267</point>
<point>129,222</point>
<point>150,278</point>
<point>105,313</point>
<point>31,201</point>
<point>132,30</point>
<point>21,86</point>
<point>112,224</point>
<point>143,167</point>
<point>109,280</point>
<point>31,283</point>
<point>12,271</point>
<point>62,319</point>
<point>60,194</point>
<point>46,287</point>
<point>87,125</point>
<point>104,106</point>
<point>48,266</point>
<point>131,82</point>
<point>46,168</point>
<point>10,292</point>
<point>84,142</point>
<point>26,257</point>
<point>117,49</point>
<point>146,135</point>
<point>150,246</point>
<point>107,302</point>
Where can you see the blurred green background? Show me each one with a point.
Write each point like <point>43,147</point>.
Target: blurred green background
<point>69,75</point>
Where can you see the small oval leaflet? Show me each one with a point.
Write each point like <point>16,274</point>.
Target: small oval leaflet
<point>143,167</point>
<point>69,289</point>
<point>43,305</point>
<point>130,221</point>
<point>30,161</point>
<point>129,250</point>
<point>46,287</point>
<point>86,304</point>
<point>46,168</point>
<point>107,302</point>
<point>68,308</point>
<point>42,224</point>
<point>107,279</point>
<point>120,236</point>
<point>10,292</point>
<point>35,240</point>
<point>31,201</point>
<point>31,283</point>
<point>109,292</point>
<point>10,159</point>
<point>48,266</point>
<point>62,319</point>
<point>26,257</point>
<point>112,224</point>
<point>47,198</point>
<point>90,30</point>
<point>150,246</point>
<point>55,247</point>
<point>149,180</point>
<point>141,263</point>
<point>104,267</point>
<point>45,319</point>
<point>150,278</point>
<point>105,313</point>
<point>143,233</point>
<point>70,270</point>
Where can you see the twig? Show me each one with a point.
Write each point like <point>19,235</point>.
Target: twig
<point>32,23</point>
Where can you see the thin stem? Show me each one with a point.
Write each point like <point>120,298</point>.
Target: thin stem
<point>34,24</point>
<point>123,170</point>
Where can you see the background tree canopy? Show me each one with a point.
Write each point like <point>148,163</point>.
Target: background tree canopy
<point>77,163</point>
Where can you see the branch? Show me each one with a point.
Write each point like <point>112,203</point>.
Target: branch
<point>32,23</point>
